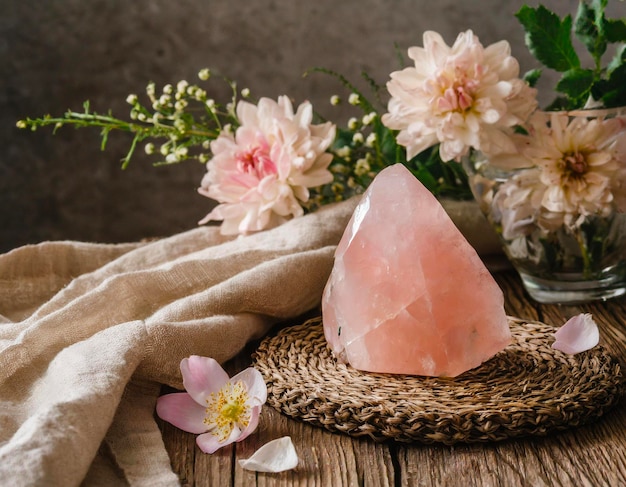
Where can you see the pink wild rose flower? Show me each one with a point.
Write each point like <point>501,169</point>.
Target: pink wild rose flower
<point>260,175</point>
<point>219,409</point>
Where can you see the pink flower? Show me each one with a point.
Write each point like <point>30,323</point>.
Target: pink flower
<point>219,409</point>
<point>461,96</point>
<point>260,174</point>
<point>578,334</point>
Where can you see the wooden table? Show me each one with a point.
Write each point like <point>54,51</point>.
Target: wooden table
<point>592,455</point>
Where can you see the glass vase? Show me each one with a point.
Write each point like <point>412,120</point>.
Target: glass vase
<point>571,250</point>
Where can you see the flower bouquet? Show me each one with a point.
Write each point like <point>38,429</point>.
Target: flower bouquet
<point>551,183</point>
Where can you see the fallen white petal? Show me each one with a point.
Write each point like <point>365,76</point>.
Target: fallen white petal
<point>578,334</point>
<point>276,456</point>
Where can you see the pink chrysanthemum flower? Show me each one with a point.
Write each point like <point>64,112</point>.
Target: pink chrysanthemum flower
<point>461,96</point>
<point>260,174</point>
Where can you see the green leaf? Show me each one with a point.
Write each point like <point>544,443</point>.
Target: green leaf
<point>616,30</point>
<point>560,103</point>
<point>548,38</point>
<point>618,60</point>
<point>589,29</point>
<point>611,91</point>
<point>531,77</point>
<point>576,84</point>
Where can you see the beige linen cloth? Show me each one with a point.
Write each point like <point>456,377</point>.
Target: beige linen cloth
<point>88,332</point>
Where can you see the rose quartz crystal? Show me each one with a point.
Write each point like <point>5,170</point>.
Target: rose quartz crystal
<point>407,293</point>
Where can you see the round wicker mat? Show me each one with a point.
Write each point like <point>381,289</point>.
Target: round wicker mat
<point>527,389</point>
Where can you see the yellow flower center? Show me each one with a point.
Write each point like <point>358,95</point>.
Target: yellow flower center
<point>226,408</point>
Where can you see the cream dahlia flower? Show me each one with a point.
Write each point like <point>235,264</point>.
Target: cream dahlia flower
<point>260,174</point>
<point>579,171</point>
<point>461,96</point>
<point>582,163</point>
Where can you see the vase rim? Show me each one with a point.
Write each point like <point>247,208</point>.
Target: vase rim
<point>589,112</point>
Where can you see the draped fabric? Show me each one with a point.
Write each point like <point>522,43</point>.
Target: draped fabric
<point>89,332</point>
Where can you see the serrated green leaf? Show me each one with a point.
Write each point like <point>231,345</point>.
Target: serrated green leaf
<point>611,91</point>
<point>576,84</point>
<point>615,30</point>
<point>548,38</point>
<point>618,60</point>
<point>531,77</point>
<point>589,28</point>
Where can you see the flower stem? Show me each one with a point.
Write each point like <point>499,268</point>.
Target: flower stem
<point>584,252</point>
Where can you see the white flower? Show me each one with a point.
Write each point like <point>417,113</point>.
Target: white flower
<point>582,163</point>
<point>260,174</point>
<point>461,96</point>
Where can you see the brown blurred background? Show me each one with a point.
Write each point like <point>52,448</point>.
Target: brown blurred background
<point>54,54</point>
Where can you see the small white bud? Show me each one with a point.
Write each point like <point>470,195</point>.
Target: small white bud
<point>245,92</point>
<point>204,74</point>
<point>357,138</point>
<point>353,123</point>
<point>369,118</point>
<point>353,99</point>
<point>149,148</point>
<point>361,167</point>
<point>371,140</point>
<point>132,99</point>
<point>182,85</point>
<point>335,100</point>
<point>173,157</point>
<point>168,89</point>
<point>21,124</point>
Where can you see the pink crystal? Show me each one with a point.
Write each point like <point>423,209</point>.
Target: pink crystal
<point>407,293</point>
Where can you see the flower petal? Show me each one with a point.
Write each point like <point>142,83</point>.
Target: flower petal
<point>578,334</point>
<point>252,423</point>
<point>202,376</point>
<point>276,456</point>
<point>210,443</point>
<point>181,410</point>
<point>255,385</point>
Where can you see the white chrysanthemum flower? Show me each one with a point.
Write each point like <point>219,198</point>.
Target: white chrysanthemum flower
<point>260,174</point>
<point>579,171</point>
<point>461,96</point>
<point>581,160</point>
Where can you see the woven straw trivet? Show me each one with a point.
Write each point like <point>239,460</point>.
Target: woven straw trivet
<point>527,389</point>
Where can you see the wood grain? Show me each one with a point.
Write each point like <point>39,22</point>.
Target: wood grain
<point>591,455</point>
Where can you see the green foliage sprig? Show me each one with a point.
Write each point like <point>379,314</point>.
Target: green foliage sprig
<point>550,39</point>
<point>182,119</point>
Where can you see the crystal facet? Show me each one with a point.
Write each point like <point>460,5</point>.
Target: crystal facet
<point>407,293</point>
